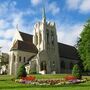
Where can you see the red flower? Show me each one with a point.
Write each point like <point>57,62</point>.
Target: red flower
<point>70,77</point>
<point>29,78</point>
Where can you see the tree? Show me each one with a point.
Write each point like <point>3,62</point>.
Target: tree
<point>21,72</point>
<point>76,72</point>
<point>83,45</point>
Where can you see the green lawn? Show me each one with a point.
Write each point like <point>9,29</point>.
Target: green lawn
<point>7,84</point>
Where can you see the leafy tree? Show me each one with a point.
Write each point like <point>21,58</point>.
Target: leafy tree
<point>76,72</point>
<point>21,72</point>
<point>83,46</point>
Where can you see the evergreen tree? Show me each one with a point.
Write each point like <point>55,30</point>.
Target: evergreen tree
<point>21,72</point>
<point>84,46</point>
<point>76,72</point>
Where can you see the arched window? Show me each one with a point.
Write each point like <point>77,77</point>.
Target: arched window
<point>62,65</point>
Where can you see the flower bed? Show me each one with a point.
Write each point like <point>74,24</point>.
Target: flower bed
<point>28,78</point>
<point>33,81</point>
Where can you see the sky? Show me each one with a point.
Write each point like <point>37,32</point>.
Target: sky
<point>70,17</point>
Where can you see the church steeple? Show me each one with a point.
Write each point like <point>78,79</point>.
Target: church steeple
<point>43,11</point>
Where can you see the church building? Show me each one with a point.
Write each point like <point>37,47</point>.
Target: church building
<point>41,51</point>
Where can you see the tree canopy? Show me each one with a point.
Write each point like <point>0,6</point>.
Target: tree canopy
<point>84,45</point>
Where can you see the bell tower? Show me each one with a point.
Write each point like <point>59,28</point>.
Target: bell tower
<point>39,31</point>
<point>45,39</point>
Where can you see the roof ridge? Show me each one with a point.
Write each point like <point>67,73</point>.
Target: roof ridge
<point>25,33</point>
<point>66,44</point>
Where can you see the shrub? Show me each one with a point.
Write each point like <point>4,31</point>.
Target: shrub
<point>76,72</point>
<point>21,72</point>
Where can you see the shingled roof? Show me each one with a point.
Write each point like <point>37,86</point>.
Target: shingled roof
<point>67,51</point>
<point>26,37</point>
<point>23,46</point>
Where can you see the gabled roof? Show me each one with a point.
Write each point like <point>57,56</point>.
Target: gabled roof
<point>27,45</point>
<point>26,37</point>
<point>24,46</point>
<point>67,51</point>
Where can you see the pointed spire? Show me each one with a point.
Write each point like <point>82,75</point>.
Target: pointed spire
<point>43,11</point>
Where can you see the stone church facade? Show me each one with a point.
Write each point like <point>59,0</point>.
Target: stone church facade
<point>41,50</point>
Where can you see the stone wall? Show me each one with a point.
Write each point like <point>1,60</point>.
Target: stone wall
<point>69,63</point>
<point>15,60</point>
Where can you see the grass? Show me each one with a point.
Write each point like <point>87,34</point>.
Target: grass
<point>7,84</point>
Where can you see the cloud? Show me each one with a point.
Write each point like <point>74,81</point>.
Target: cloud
<point>73,4</point>
<point>7,6</point>
<point>5,39</point>
<point>35,2</point>
<point>3,7</point>
<point>10,17</point>
<point>9,33</point>
<point>5,44</point>
<point>1,23</point>
<point>68,34</point>
<point>1,33</point>
<point>53,8</point>
<point>50,7</point>
<point>9,22</point>
<point>82,6</point>
<point>85,6</point>
<point>30,11</point>
<point>17,19</point>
